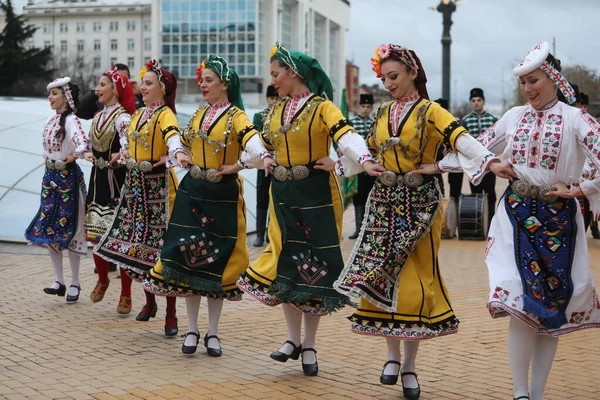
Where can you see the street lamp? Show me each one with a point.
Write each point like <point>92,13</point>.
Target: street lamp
<point>446,7</point>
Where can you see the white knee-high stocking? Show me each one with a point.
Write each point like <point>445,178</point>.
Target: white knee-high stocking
<point>192,306</point>
<point>293,320</point>
<point>393,354</point>
<point>74,261</point>
<point>411,347</point>
<point>541,364</point>
<point>311,324</point>
<point>215,306</point>
<point>57,267</point>
<point>521,344</point>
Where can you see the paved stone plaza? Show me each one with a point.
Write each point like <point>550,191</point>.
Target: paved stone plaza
<point>50,349</point>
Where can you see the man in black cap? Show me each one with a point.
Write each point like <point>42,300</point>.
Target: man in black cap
<point>585,102</point>
<point>263,183</point>
<point>362,123</point>
<point>477,122</point>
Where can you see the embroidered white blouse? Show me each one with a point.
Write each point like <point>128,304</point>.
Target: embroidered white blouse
<point>122,122</point>
<point>544,146</point>
<point>76,141</point>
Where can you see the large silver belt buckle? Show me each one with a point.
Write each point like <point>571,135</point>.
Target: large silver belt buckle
<point>211,176</point>
<point>300,172</point>
<point>101,163</point>
<point>544,196</point>
<point>280,173</point>
<point>145,166</point>
<point>49,163</point>
<point>413,180</point>
<point>131,163</point>
<point>197,173</point>
<point>521,188</point>
<point>388,178</point>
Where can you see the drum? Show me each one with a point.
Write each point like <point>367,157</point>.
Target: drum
<point>472,217</point>
<point>449,223</point>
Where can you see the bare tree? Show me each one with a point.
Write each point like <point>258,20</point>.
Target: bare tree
<point>461,109</point>
<point>80,68</point>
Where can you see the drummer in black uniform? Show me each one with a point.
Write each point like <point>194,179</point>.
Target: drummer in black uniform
<point>362,123</point>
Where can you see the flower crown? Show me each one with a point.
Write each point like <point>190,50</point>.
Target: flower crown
<point>155,67</point>
<point>116,77</point>
<point>285,55</point>
<point>384,52</point>
<point>200,69</point>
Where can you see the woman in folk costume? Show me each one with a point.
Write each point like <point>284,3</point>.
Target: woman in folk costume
<point>58,224</point>
<point>205,247</point>
<point>109,127</point>
<point>136,236</point>
<point>537,254</point>
<point>303,257</point>
<point>393,267</point>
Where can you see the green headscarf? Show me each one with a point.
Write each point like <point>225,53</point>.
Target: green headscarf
<point>307,67</point>
<point>219,66</point>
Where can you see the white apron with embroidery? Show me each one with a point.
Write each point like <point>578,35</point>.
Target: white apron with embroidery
<point>544,147</point>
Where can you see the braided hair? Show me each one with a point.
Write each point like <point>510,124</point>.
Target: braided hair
<point>60,135</point>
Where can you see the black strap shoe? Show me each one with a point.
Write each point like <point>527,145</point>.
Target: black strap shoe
<point>60,291</point>
<point>310,369</point>
<point>210,350</point>
<point>411,393</point>
<point>282,357</point>
<point>148,311</point>
<point>389,379</point>
<point>521,398</point>
<point>190,349</point>
<point>73,299</point>
<point>171,330</point>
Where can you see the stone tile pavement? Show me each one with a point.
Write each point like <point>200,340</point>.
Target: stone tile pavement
<point>50,349</point>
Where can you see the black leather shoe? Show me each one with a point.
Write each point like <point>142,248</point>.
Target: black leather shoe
<point>310,369</point>
<point>73,299</point>
<point>190,349</point>
<point>282,357</point>
<point>260,240</point>
<point>411,393</point>
<point>148,311</point>
<point>594,230</point>
<point>389,379</point>
<point>171,330</point>
<point>60,291</point>
<point>212,351</point>
<point>521,398</point>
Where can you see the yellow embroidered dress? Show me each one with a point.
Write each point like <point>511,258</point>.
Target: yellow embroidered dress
<point>303,257</point>
<point>205,248</point>
<point>137,233</point>
<point>393,267</point>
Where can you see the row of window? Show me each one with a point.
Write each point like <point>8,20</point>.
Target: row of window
<point>208,5</point>
<point>232,16</point>
<point>114,44</point>
<point>80,27</point>
<point>196,59</point>
<point>189,71</point>
<point>209,48</point>
<point>96,62</point>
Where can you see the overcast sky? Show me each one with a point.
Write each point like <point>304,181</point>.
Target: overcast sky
<point>488,38</point>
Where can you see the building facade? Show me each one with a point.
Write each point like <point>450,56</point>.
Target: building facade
<point>93,35</point>
<point>243,32</point>
<point>352,86</point>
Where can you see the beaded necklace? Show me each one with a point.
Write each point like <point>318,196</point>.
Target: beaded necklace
<point>294,125</point>
<point>142,137</point>
<point>396,141</point>
<point>217,144</point>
